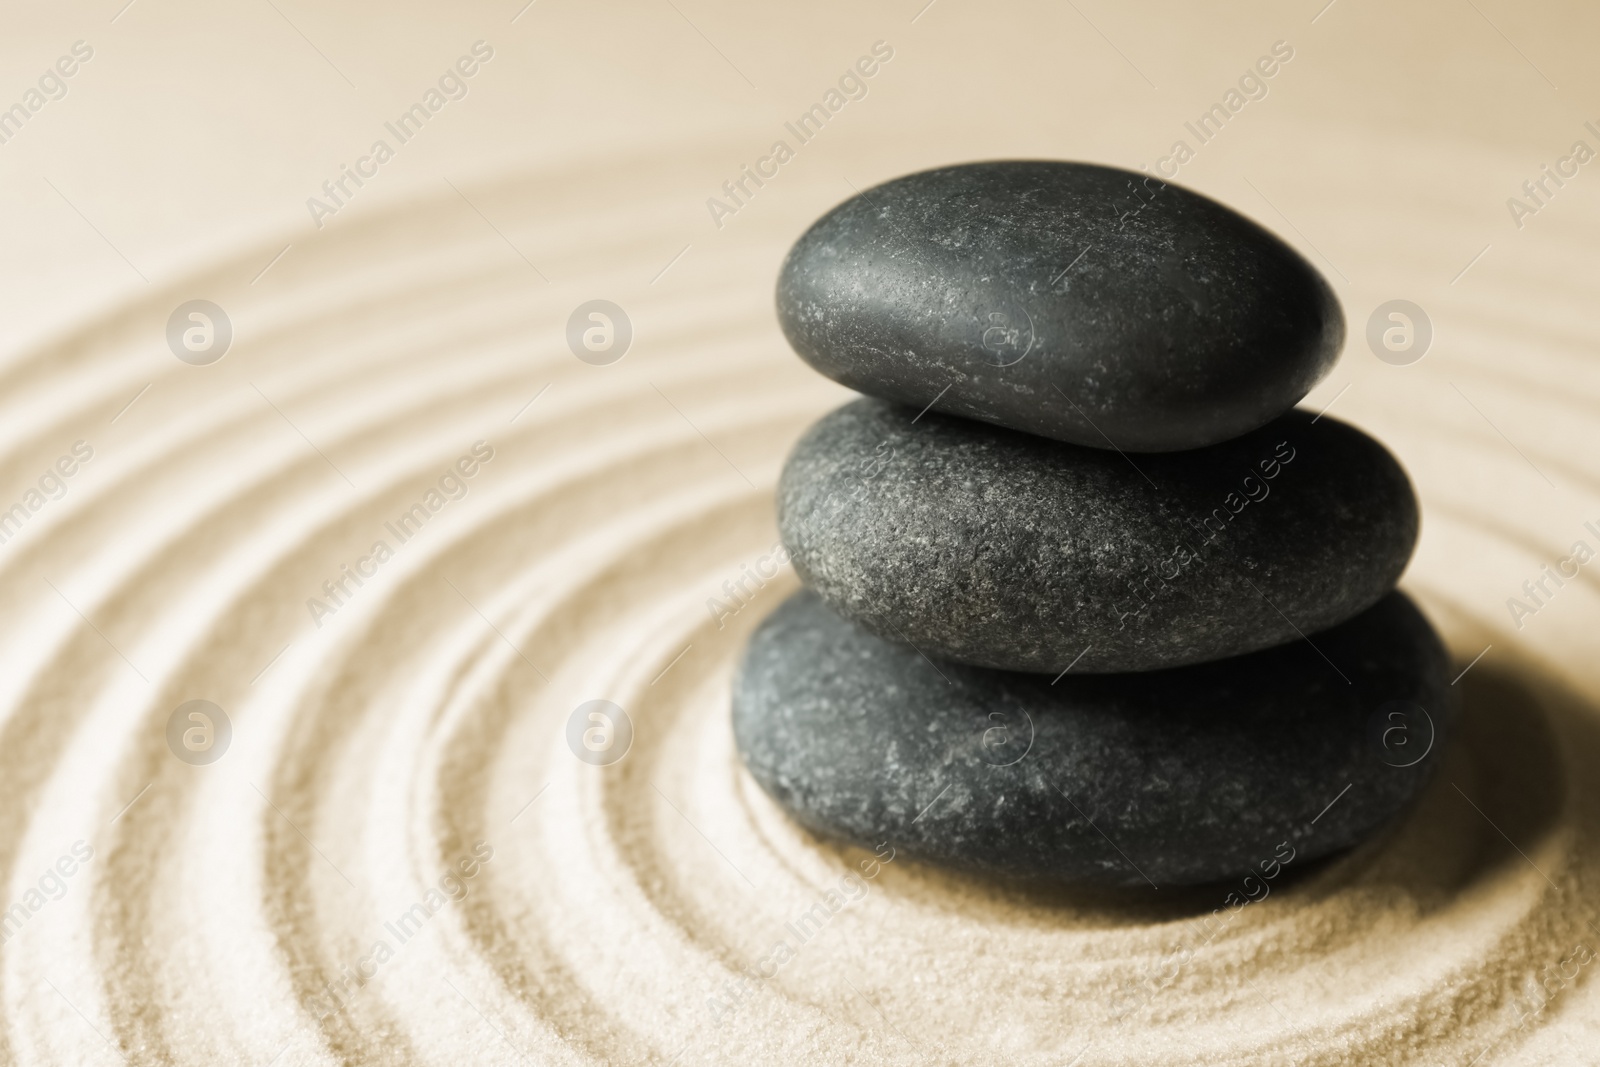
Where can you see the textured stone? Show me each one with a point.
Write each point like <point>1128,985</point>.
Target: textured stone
<point>1008,550</point>
<point>1084,303</point>
<point>1171,777</point>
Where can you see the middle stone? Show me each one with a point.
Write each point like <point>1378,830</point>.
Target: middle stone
<point>1007,550</point>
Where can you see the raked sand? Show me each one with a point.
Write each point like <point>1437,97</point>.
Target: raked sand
<point>399,860</point>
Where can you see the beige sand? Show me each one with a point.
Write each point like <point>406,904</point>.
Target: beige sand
<point>234,913</point>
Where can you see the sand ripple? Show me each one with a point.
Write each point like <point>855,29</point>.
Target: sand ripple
<point>632,912</point>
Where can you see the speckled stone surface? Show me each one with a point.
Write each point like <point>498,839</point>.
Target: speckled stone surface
<point>1008,550</point>
<point>1172,777</point>
<point>1084,303</point>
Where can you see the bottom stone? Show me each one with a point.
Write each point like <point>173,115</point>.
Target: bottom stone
<point>1174,777</point>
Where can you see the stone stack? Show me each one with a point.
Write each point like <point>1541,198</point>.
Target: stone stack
<point>1087,602</point>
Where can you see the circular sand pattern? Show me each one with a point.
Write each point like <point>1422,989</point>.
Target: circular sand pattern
<point>402,857</point>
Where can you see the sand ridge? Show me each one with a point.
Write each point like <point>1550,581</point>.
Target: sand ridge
<point>632,912</point>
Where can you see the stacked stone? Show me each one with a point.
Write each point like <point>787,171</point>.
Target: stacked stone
<point>1086,601</point>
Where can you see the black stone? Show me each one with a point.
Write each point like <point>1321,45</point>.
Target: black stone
<point>1084,303</point>
<point>1176,777</point>
<point>1008,550</point>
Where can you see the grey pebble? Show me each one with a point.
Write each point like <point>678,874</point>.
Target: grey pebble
<point>1012,551</point>
<point>1187,776</point>
<point>1080,302</point>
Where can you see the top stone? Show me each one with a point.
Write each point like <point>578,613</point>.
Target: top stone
<point>1089,304</point>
